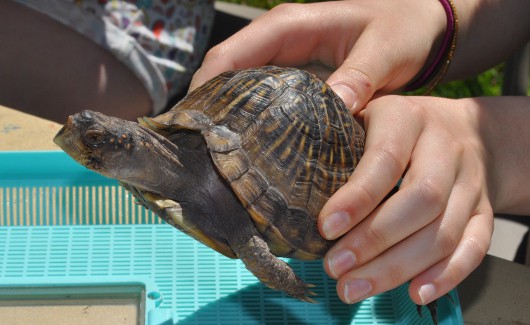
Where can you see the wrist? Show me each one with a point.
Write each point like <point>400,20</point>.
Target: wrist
<point>441,53</point>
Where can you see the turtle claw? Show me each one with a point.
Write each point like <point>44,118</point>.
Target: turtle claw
<point>306,295</point>
<point>307,299</point>
<point>432,307</point>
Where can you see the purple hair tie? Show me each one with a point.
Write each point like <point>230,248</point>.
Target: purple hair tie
<point>436,71</point>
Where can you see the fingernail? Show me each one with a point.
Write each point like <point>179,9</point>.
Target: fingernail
<point>335,223</point>
<point>355,290</point>
<point>347,95</point>
<point>340,262</point>
<point>427,293</point>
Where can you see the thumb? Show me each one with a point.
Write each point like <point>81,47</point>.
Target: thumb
<point>352,85</point>
<point>370,67</point>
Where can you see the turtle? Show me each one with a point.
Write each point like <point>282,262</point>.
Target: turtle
<point>243,164</point>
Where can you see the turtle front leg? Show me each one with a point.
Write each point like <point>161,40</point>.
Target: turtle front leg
<point>272,271</point>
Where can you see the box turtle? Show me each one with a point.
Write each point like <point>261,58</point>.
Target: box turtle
<point>243,164</point>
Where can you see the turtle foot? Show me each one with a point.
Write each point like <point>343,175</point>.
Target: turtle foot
<point>273,272</point>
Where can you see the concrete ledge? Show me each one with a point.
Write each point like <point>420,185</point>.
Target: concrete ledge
<point>241,11</point>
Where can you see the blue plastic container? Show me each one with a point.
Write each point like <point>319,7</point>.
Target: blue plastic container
<point>65,226</point>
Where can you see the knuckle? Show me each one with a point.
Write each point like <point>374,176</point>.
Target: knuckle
<point>455,147</point>
<point>405,106</point>
<point>447,242</point>
<point>432,193</point>
<point>357,78</point>
<point>285,9</point>
<point>389,156</point>
<point>214,53</point>
<point>402,103</point>
<point>376,240</point>
<point>414,108</point>
<point>477,249</point>
<point>394,276</point>
<point>475,253</point>
<point>458,271</point>
<point>364,194</point>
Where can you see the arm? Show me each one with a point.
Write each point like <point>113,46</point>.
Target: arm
<point>503,125</point>
<point>490,31</point>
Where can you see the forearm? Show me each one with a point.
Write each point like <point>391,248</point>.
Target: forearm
<point>489,32</point>
<point>502,123</point>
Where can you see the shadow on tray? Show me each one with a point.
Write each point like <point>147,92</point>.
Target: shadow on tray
<point>257,304</point>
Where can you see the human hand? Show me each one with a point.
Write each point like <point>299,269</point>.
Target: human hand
<point>372,46</point>
<point>437,228</point>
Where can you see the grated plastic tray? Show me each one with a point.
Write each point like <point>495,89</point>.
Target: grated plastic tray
<point>63,224</point>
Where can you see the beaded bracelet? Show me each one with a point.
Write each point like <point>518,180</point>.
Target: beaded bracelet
<point>436,71</point>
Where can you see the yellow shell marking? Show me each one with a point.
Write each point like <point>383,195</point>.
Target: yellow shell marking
<point>342,156</point>
<point>248,85</point>
<point>281,139</point>
<point>286,153</point>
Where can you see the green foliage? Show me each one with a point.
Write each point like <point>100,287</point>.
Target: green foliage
<point>488,83</point>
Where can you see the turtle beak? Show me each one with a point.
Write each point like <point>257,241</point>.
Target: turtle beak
<point>59,138</point>
<point>69,139</point>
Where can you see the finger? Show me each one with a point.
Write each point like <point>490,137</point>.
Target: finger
<point>412,256</point>
<point>387,152</point>
<point>415,205</point>
<point>448,273</point>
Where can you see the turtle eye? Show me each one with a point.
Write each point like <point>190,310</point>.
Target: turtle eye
<point>94,136</point>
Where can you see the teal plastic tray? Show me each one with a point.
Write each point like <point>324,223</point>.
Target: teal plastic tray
<point>64,224</point>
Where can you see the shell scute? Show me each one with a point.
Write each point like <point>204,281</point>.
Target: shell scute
<point>250,186</point>
<point>243,99</point>
<point>221,139</point>
<point>234,163</point>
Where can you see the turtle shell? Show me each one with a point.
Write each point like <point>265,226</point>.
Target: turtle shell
<point>283,140</point>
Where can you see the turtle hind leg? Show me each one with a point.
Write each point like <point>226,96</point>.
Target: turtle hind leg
<point>270,270</point>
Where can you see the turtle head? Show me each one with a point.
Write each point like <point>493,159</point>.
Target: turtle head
<point>117,148</point>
